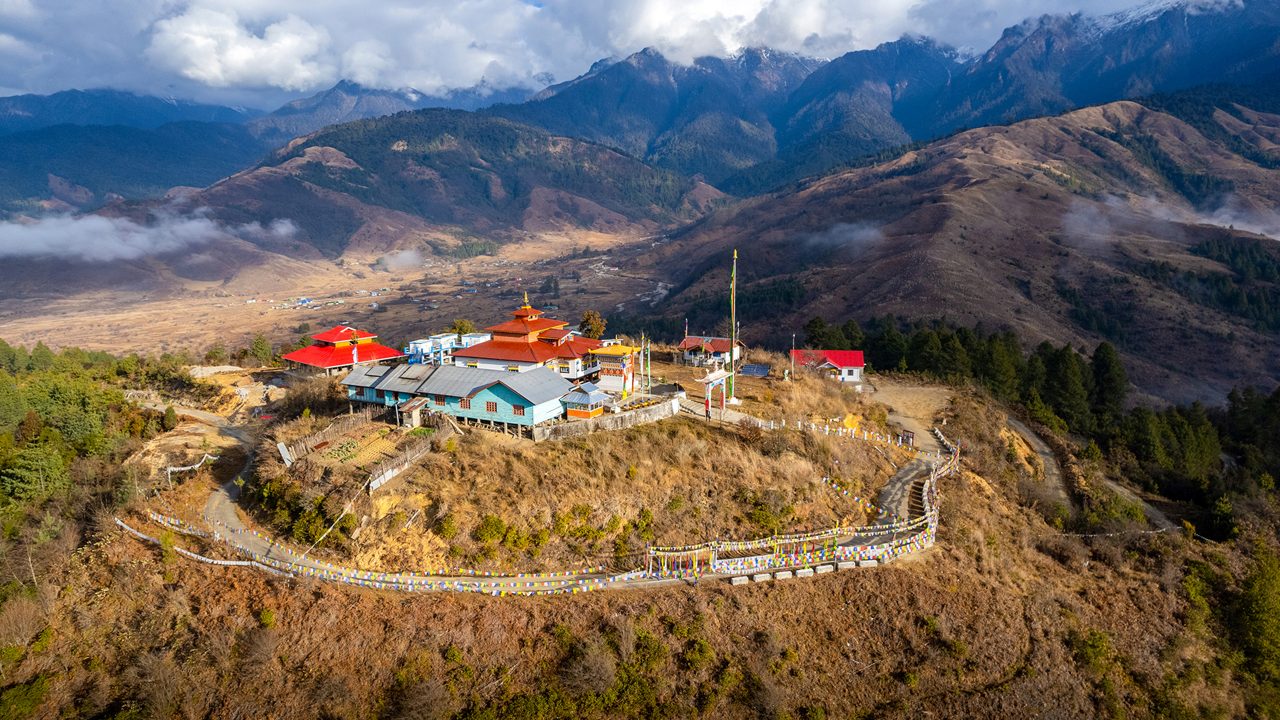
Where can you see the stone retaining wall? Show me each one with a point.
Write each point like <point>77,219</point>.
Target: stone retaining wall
<point>608,421</point>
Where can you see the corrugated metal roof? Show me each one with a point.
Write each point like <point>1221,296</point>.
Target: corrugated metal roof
<point>586,394</point>
<point>537,386</point>
<point>365,376</point>
<point>405,378</point>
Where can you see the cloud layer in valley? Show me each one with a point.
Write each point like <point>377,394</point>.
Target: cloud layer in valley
<point>1092,224</point>
<point>258,51</point>
<point>94,238</point>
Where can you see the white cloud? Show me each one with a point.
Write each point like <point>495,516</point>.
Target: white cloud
<point>94,238</point>
<point>224,49</point>
<point>214,48</point>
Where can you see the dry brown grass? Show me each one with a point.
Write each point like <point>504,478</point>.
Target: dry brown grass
<point>606,495</point>
<point>982,624</point>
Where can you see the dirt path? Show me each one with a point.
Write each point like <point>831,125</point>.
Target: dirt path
<point>1154,516</point>
<point>1053,477</point>
<point>914,407</point>
<point>1057,483</point>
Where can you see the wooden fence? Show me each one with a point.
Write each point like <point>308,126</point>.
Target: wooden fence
<point>298,449</point>
<point>388,469</point>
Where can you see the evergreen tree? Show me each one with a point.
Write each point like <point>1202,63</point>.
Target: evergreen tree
<point>11,408</point>
<point>955,359</point>
<point>1000,371</point>
<point>925,352</point>
<point>853,334</point>
<point>1033,378</point>
<point>815,332</point>
<point>890,349</point>
<point>1065,391</point>
<point>170,418</point>
<point>1110,383</point>
<point>260,349</point>
<point>1258,614</point>
<point>37,470</point>
<point>42,358</point>
<point>8,358</point>
<point>592,325</point>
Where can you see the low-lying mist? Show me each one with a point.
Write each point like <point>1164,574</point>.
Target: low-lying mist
<point>95,238</point>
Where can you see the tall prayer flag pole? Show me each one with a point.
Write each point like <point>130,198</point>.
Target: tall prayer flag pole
<point>733,323</point>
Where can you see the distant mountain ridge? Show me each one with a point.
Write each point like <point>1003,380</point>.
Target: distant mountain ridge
<point>804,117</point>
<point>348,101</point>
<point>713,117</point>
<point>108,107</point>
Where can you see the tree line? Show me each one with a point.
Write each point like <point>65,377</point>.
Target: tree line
<point>1177,451</point>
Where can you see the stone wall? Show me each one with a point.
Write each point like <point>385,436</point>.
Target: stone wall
<point>608,421</point>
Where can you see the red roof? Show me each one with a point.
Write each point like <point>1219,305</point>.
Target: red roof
<point>328,356</point>
<point>522,326</point>
<point>706,344</point>
<point>837,358</point>
<point>509,351</point>
<point>339,333</point>
<point>527,312</point>
<point>554,335</point>
<point>576,347</point>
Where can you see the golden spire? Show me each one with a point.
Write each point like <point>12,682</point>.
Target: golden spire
<point>526,298</point>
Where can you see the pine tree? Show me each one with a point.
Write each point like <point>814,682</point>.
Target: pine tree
<point>925,352</point>
<point>815,332</point>
<point>1110,383</point>
<point>955,359</point>
<point>1065,391</point>
<point>37,470</point>
<point>8,358</point>
<point>170,418</point>
<point>260,349</point>
<point>853,334</point>
<point>1259,618</point>
<point>11,407</point>
<point>1001,370</point>
<point>42,358</point>
<point>892,348</point>
<point>1033,378</point>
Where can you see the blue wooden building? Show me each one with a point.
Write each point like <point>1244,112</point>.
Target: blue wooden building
<point>495,397</point>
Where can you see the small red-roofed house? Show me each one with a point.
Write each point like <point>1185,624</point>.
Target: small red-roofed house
<point>704,350</point>
<point>843,365</point>
<point>340,348</point>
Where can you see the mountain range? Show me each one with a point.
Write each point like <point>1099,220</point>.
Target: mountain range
<point>850,184</point>
<point>79,149</point>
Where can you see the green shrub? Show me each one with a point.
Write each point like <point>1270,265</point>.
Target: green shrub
<point>490,529</point>
<point>22,701</point>
<point>1091,649</point>
<point>697,654</point>
<point>447,528</point>
<point>267,618</point>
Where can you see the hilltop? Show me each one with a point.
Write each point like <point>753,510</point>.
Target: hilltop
<point>1008,611</point>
